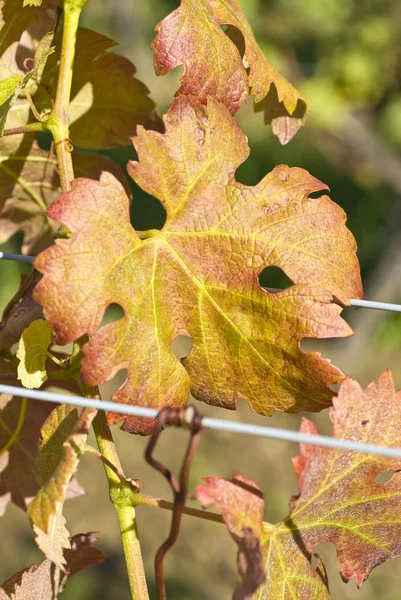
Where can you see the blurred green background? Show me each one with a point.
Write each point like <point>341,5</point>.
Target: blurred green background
<point>345,56</point>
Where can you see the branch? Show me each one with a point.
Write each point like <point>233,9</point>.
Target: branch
<point>122,497</point>
<point>29,128</point>
<point>58,122</point>
<point>121,492</point>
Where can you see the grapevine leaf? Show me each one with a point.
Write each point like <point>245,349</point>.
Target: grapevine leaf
<point>17,481</point>
<point>192,36</point>
<point>339,500</point>
<point>241,504</point>
<point>45,582</point>
<point>32,354</point>
<point>14,21</point>
<point>107,102</point>
<point>7,91</point>
<point>13,86</point>
<point>32,3</point>
<point>45,510</point>
<point>20,313</point>
<point>29,183</point>
<point>198,276</point>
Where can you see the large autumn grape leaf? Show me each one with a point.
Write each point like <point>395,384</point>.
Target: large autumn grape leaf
<point>340,500</point>
<point>61,446</point>
<point>107,102</point>
<point>45,582</point>
<point>29,182</point>
<point>213,66</point>
<point>198,276</point>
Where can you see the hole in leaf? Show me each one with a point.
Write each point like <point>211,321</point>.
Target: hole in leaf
<point>384,476</point>
<point>274,279</point>
<point>109,388</point>
<point>315,345</point>
<point>318,194</point>
<point>182,346</point>
<point>325,562</point>
<point>235,36</point>
<point>147,212</point>
<point>114,312</point>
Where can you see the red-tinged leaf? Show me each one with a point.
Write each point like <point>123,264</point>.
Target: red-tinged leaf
<point>213,65</point>
<point>340,500</point>
<point>45,582</point>
<point>107,102</point>
<point>239,500</point>
<point>29,182</point>
<point>17,481</point>
<point>198,276</point>
<point>241,504</point>
<point>61,447</point>
<point>20,313</point>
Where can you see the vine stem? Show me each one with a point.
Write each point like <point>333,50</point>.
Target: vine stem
<point>121,493</point>
<point>123,498</point>
<point>28,128</point>
<point>146,500</point>
<point>58,122</point>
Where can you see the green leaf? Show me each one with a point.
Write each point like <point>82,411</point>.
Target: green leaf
<point>32,350</point>
<point>32,3</point>
<point>339,499</point>
<point>45,510</point>
<point>107,102</point>
<point>198,276</point>
<point>213,64</point>
<point>8,87</point>
<point>11,88</point>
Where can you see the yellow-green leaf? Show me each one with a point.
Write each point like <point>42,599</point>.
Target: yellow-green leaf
<point>198,276</point>
<point>32,349</point>
<point>45,510</point>
<point>13,86</point>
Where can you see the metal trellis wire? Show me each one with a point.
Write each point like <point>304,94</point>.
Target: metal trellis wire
<point>207,422</point>
<point>355,303</point>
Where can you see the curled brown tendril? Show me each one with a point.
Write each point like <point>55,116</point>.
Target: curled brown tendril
<point>190,419</point>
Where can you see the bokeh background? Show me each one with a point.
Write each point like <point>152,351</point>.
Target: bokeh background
<point>345,56</point>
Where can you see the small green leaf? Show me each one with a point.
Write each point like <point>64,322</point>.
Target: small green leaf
<point>31,352</point>
<point>11,87</point>
<point>32,3</point>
